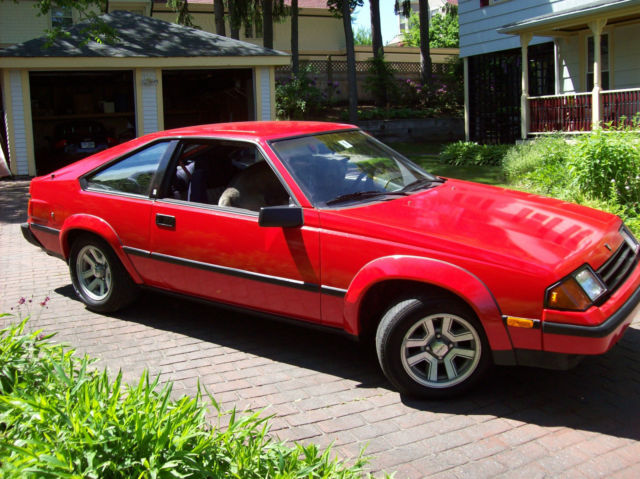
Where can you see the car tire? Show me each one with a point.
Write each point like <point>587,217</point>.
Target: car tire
<point>98,277</point>
<point>432,348</point>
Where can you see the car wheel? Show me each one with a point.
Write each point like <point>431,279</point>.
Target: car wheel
<point>98,277</point>
<point>431,348</point>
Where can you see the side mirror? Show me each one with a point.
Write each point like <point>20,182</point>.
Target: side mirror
<point>281,216</point>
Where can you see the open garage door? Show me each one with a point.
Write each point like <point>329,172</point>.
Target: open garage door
<point>195,97</point>
<point>78,113</point>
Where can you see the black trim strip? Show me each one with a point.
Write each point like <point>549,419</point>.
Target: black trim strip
<point>45,229</point>
<point>291,283</point>
<point>600,331</point>
<point>136,251</point>
<point>333,291</point>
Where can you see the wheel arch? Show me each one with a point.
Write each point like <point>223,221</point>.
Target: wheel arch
<point>384,281</point>
<point>78,225</point>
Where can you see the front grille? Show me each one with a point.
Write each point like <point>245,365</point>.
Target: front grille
<point>618,267</point>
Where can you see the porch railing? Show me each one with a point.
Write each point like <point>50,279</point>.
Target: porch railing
<point>572,112</point>
<point>617,104</point>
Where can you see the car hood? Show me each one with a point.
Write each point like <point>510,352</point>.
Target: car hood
<point>488,224</point>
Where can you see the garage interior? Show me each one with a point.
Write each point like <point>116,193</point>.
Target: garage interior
<point>196,97</point>
<point>79,101</point>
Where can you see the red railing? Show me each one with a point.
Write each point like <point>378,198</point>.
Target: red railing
<point>570,112</point>
<point>617,104</point>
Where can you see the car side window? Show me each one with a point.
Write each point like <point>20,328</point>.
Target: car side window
<point>131,175</point>
<point>228,174</point>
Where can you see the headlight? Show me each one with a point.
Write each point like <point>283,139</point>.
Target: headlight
<point>576,292</point>
<point>630,239</point>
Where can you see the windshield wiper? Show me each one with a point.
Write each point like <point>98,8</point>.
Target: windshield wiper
<point>362,195</point>
<point>420,183</point>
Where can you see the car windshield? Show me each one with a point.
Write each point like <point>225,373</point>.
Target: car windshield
<point>349,166</point>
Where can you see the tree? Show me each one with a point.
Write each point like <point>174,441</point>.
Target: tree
<point>295,54</point>
<point>362,37</point>
<point>181,7</point>
<point>343,8</point>
<point>425,52</point>
<point>443,32</point>
<point>218,12</point>
<point>376,29</point>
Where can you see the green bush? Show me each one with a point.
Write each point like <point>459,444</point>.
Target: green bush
<point>599,169</point>
<point>300,96</point>
<point>59,417</point>
<point>465,153</point>
<point>607,165</point>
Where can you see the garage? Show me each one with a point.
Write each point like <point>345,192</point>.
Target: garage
<point>69,99</point>
<point>78,113</point>
<point>195,97</point>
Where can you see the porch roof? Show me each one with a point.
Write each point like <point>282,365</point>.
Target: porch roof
<point>571,20</point>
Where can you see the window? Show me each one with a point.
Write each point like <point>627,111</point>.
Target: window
<point>604,62</point>
<point>131,175</point>
<point>61,17</point>
<point>229,174</point>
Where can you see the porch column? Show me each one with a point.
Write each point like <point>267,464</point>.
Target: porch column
<point>467,130</point>
<point>525,38</point>
<point>596,100</point>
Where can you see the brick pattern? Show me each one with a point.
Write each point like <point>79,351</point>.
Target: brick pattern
<point>522,422</point>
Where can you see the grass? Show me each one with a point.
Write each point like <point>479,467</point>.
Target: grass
<point>426,155</point>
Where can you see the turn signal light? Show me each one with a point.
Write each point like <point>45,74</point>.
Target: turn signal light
<point>568,295</point>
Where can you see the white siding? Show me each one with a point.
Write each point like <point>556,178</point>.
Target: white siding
<point>478,25</point>
<point>626,59</point>
<point>570,64</point>
<point>149,101</point>
<point>19,153</point>
<point>264,94</point>
<point>19,22</point>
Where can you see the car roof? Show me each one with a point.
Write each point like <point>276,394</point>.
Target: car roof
<point>267,130</point>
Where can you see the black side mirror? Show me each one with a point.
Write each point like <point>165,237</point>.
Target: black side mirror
<point>281,216</point>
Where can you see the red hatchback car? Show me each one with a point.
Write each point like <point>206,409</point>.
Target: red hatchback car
<point>323,224</point>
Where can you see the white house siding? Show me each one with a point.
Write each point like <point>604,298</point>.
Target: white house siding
<point>19,153</point>
<point>626,59</point>
<point>478,25</point>
<point>19,23</point>
<point>570,53</point>
<point>149,100</point>
<point>264,94</point>
<point>318,32</point>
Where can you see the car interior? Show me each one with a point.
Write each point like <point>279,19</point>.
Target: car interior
<point>226,174</point>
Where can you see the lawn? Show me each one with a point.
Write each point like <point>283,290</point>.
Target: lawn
<point>426,155</point>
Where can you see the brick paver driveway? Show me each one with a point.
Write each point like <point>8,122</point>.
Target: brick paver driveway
<point>521,423</point>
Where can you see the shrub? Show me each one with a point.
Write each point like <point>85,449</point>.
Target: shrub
<point>607,166</point>
<point>465,153</point>
<point>300,95</point>
<point>61,418</point>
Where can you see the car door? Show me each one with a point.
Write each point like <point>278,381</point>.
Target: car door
<point>206,237</point>
<point>119,195</point>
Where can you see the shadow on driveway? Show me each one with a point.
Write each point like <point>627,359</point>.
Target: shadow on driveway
<point>601,395</point>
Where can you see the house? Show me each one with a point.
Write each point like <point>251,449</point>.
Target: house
<point>537,66</point>
<point>157,75</point>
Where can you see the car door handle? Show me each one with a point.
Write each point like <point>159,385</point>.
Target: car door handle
<point>167,221</point>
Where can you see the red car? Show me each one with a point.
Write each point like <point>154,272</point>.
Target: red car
<point>321,223</point>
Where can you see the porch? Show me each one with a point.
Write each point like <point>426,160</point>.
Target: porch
<point>596,68</point>
<point>573,112</point>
